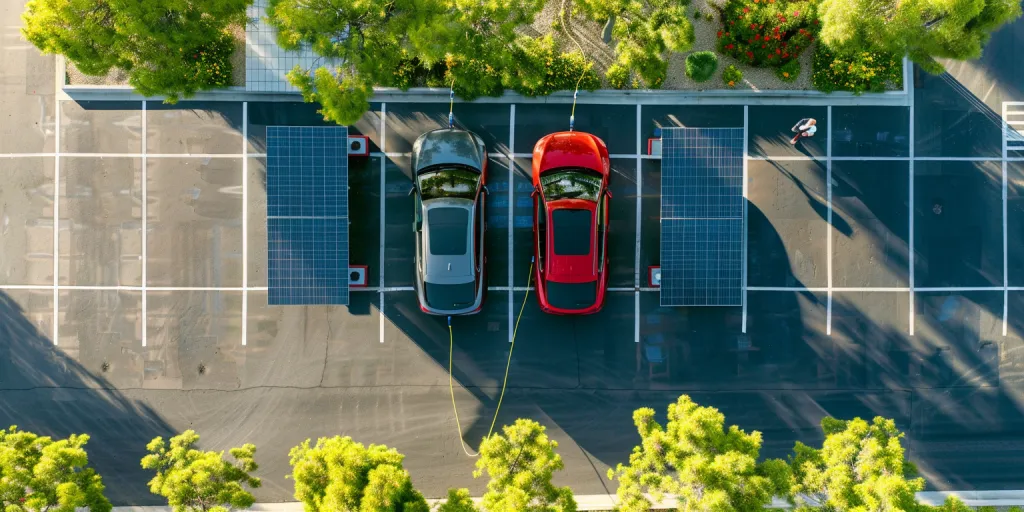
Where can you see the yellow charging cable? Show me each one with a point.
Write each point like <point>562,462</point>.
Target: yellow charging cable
<point>508,364</point>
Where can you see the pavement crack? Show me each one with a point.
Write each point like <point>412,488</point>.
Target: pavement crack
<point>327,347</point>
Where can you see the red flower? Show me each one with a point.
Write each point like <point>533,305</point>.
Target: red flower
<point>778,50</point>
<point>746,9</point>
<point>782,19</point>
<point>776,30</point>
<point>762,46</point>
<point>728,46</point>
<point>751,40</point>
<point>732,22</point>
<point>798,47</point>
<point>796,13</point>
<point>785,55</point>
<point>750,54</point>
<point>719,33</point>
<point>752,26</point>
<point>757,37</point>
<point>771,55</point>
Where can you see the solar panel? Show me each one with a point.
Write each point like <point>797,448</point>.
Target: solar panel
<point>702,216</point>
<point>307,215</point>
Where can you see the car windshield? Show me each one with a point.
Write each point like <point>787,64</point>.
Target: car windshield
<point>448,230</point>
<point>572,231</point>
<point>447,297</point>
<point>571,183</point>
<point>448,182</point>
<point>572,295</point>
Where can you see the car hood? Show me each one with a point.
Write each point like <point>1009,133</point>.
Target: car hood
<point>448,146</point>
<point>572,269</point>
<point>570,149</point>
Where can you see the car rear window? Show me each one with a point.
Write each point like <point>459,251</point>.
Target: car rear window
<point>449,231</point>
<point>447,297</point>
<point>572,232</point>
<point>572,295</point>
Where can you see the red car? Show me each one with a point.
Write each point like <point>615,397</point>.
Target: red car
<point>570,222</point>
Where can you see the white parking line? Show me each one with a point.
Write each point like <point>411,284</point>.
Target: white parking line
<point>828,200</point>
<point>56,225</point>
<point>511,214</point>
<point>245,221</point>
<point>910,210</point>
<point>636,256</point>
<point>145,226</point>
<point>746,236</point>
<point>383,197</point>
<point>1006,276</point>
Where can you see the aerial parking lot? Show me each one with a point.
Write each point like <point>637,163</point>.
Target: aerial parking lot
<point>884,276</point>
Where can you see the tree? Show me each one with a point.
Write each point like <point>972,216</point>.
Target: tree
<point>168,47</point>
<point>520,464</point>
<point>695,458</point>
<point>458,501</point>
<point>645,31</point>
<point>39,474</point>
<point>339,474</point>
<point>199,481</point>
<point>860,466</point>
<point>921,29</point>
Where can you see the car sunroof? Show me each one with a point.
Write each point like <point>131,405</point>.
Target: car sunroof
<point>572,232</point>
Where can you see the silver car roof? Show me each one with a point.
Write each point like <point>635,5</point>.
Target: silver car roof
<point>442,268</point>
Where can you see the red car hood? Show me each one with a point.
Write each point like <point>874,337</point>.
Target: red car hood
<point>571,269</point>
<point>571,149</point>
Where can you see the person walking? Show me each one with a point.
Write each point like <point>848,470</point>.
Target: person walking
<point>804,128</point>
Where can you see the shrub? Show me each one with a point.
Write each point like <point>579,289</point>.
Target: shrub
<point>767,32</point>
<point>700,66</point>
<point>856,72</point>
<point>789,71</point>
<point>542,69</point>
<point>731,76</point>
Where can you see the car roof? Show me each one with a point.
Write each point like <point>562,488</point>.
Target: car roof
<point>448,226</point>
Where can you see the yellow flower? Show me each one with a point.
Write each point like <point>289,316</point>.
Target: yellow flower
<point>785,74</point>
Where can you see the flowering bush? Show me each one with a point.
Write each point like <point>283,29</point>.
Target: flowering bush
<point>731,76</point>
<point>856,72</point>
<point>207,66</point>
<point>789,71</point>
<point>767,32</point>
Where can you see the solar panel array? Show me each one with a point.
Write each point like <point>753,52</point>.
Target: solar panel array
<point>307,215</point>
<point>701,216</point>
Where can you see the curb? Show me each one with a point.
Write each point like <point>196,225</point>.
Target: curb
<point>599,502</point>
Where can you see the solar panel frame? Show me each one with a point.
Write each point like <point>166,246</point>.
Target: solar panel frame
<point>702,216</point>
<point>307,215</point>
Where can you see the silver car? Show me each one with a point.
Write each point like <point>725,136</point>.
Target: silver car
<point>450,169</point>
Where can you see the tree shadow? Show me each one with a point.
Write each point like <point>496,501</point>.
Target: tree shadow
<point>50,393</point>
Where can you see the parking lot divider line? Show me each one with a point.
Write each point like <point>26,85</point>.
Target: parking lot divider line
<point>245,221</point>
<point>910,211</point>
<point>511,212</point>
<point>27,155</point>
<point>1006,277</point>
<point>639,201</point>
<point>383,187</point>
<point>746,163</point>
<point>56,225</point>
<point>828,200</point>
<point>145,224</point>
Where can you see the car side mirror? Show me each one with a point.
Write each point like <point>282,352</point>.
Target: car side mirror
<point>535,192</point>
<point>487,190</point>
<point>608,193</point>
<point>412,190</point>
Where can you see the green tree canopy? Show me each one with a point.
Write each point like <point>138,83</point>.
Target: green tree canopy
<point>39,474</point>
<point>520,463</point>
<point>921,29</point>
<point>199,481</point>
<point>403,43</point>
<point>339,474</point>
<point>861,466</point>
<point>695,458</point>
<point>166,47</point>
<point>644,30</point>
